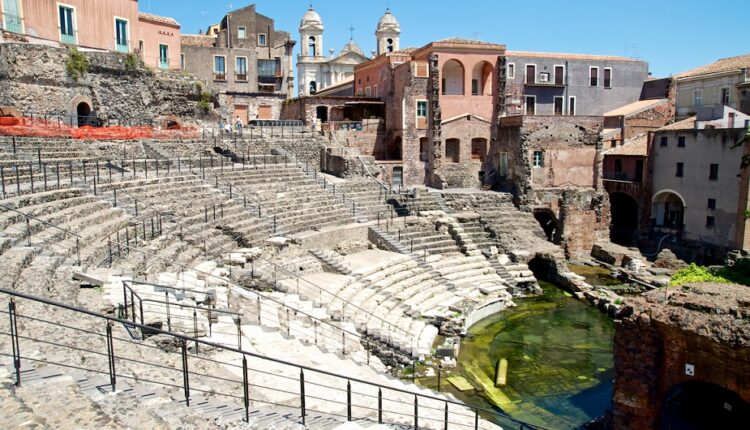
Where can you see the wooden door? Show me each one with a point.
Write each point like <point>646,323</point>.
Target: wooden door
<point>241,111</point>
<point>264,112</point>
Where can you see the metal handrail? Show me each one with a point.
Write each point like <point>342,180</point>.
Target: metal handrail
<point>189,339</point>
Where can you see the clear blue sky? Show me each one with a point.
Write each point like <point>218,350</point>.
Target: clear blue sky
<point>671,35</point>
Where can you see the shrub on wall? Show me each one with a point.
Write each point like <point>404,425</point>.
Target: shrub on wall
<point>77,64</point>
<point>131,62</point>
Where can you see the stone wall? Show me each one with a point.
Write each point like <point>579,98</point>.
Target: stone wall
<point>253,102</point>
<point>401,120</point>
<point>704,325</point>
<point>583,217</point>
<point>35,80</point>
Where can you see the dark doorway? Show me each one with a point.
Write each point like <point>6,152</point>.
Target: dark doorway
<point>547,220</point>
<point>321,112</point>
<point>84,114</point>
<point>624,227</point>
<point>393,150</point>
<point>700,405</point>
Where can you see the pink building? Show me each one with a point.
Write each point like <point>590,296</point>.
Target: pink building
<point>110,25</point>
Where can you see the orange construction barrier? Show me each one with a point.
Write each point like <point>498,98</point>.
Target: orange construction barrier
<point>28,127</point>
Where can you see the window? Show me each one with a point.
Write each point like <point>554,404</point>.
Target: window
<point>608,78</point>
<point>241,32</point>
<point>572,106</point>
<point>725,96</point>
<point>710,222</point>
<point>140,47</point>
<point>267,71</point>
<point>538,158</point>
<point>711,204</point>
<point>67,24</point>
<point>697,99</point>
<point>12,16</point>
<point>423,149</point>
<point>121,35</point>
<point>422,108</point>
<point>262,39</point>
<point>680,141</point>
<point>313,87</point>
<point>558,105</point>
<point>478,149</point>
<point>368,92</point>
<point>389,45</point>
<point>311,46</point>
<point>240,69</point>
<point>220,68</point>
<point>618,166</point>
<point>474,87</point>
<point>713,172</point>
<point>679,170</point>
<point>663,141</point>
<point>593,76</point>
<point>530,73</point>
<point>530,103</point>
<point>559,75</point>
<point>376,93</point>
<point>452,150</point>
<point>182,61</point>
<point>511,71</point>
<point>163,56</point>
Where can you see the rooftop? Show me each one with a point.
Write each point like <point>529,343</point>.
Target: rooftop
<point>685,124</point>
<point>636,107</point>
<point>637,146</point>
<point>198,40</point>
<point>158,19</point>
<point>567,56</point>
<point>728,64</point>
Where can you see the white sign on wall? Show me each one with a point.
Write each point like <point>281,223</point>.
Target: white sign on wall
<point>689,370</point>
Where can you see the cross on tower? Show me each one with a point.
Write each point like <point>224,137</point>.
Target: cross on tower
<point>351,32</point>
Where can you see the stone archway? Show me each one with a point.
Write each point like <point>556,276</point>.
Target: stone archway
<point>81,112</point>
<point>697,405</point>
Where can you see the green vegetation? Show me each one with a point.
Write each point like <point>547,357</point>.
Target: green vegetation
<point>206,100</point>
<point>694,274</point>
<point>77,64</point>
<point>739,273</point>
<point>131,62</point>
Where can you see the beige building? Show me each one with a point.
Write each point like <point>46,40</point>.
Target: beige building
<point>699,186</point>
<point>720,83</point>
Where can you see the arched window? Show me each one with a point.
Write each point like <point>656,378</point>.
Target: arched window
<point>453,78</point>
<point>311,46</point>
<point>389,45</point>
<point>481,83</point>
<point>313,87</point>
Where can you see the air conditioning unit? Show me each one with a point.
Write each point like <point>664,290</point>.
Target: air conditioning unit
<point>544,77</point>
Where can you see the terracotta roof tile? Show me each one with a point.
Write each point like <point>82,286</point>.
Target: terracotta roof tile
<point>567,56</point>
<point>685,124</point>
<point>722,65</point>
<point>636,107</point>
<point>159,19</point>
<point>635,146</point>
<point>198,40</point>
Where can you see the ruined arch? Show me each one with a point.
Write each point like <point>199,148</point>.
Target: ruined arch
<point>481,79</point>
<point>546,218</point>
<point>699,405</point>
<point>452,81</point>
<point>624,224</point>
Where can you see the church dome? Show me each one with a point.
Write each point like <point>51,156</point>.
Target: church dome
<point>388,22</point>
<point>311,19</point>
<point>352,46</point>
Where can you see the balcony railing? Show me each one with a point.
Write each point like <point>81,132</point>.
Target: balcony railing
<point>163,64</point>
<point>68,39</point>
<point>122,48</point>
<point>240,77</point>
<point>220,76</point>
<point>621,176</point>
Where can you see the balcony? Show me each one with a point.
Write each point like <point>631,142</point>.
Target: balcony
<point>549,83</point>
<point>240,77</point>
<point>122,48</point>
<point>163,64</point>
<point>264,79</point>
<point>622,182</point>
<point>68,39</point>
<point>220,76</point>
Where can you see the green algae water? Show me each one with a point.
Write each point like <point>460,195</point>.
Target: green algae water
<point>559,353</point>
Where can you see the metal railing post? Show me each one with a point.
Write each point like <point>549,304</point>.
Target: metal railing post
<point>245,388</point>
<point>111,357</point>
<point>78,250</point>
<point>380,405</point>
<point>195,330</point>
<point>348,400</point>
<point>28,231</point>
<point>302,394</point>
<point>445,419</point>
<point>169,316</point>
<point>185,373</point>
<point>14,340</point>
<point>476,419</point>
<point>416,413</point>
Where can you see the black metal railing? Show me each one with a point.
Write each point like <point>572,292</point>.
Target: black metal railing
<point>67,331</point>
